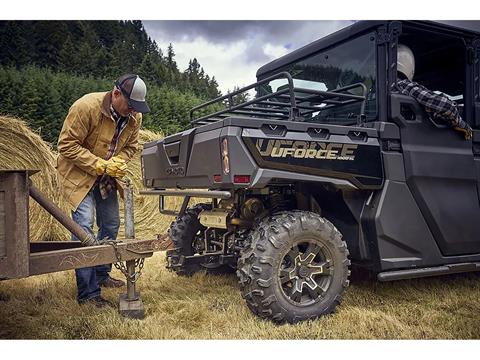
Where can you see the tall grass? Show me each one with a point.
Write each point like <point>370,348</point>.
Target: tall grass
<point>210,307</point>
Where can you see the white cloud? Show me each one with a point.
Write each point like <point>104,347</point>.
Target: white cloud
<point>233,51</point>
<point>224,62</point>
<point>274,51</point>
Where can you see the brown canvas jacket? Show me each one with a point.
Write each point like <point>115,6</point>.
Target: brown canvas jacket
<point>86,136</point>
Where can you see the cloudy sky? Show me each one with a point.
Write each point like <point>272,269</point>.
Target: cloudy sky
<point>232,51</point>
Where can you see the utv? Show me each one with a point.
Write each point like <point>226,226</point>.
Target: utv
<point>328,165</point>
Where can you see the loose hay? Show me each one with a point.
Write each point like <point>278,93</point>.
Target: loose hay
<point>21,148</point>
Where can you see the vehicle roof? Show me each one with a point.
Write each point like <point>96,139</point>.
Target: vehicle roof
<point>470,28</point>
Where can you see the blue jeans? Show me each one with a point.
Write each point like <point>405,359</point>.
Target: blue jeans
<point>108,222</point>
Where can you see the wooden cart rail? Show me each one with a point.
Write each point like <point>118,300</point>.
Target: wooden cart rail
<point>53,256</point>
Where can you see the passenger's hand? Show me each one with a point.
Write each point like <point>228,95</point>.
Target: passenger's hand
<point>465,129</point>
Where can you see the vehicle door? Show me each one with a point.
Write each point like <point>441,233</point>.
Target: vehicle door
<point>441,167</point>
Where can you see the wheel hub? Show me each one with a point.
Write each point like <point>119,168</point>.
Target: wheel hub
<point>307,273</point>
<point>303,271</point>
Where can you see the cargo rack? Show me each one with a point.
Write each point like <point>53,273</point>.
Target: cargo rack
<point>290,103</point>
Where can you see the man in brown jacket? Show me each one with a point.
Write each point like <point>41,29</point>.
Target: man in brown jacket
<point>98,138</point>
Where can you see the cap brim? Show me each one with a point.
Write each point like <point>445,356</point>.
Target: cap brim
<point>139,106</point>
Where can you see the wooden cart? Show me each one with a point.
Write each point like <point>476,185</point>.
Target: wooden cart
<point>20,258</point>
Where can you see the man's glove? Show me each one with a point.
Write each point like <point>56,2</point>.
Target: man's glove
<point>101,166</point>
<point>116,167</point>
<point>464,128</point>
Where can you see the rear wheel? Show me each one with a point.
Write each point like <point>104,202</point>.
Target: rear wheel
<point>296,267</point>
<point>187,234</point>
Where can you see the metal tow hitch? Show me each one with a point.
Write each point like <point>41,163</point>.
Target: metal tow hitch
<point>130,303</point>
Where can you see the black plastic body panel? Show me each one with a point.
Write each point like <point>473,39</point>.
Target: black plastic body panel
<point>363,168</point>
<point>476,156</point>
<point>167,158</point>
<point>192,158</point>
<point>441,174</point>
<point>398,235</point>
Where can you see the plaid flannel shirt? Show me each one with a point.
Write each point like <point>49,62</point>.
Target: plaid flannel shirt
<point>106,183</point>
<point>438,106</point>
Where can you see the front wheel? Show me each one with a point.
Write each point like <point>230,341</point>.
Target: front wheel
<point>295,268</point>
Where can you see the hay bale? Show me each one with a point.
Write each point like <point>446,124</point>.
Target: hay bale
<point>21,148</point>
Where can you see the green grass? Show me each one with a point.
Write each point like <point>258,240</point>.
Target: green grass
<point>210,307</point>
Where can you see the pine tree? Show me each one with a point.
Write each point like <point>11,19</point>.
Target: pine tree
<point>149,70</point>
<point>68,58</point>
<point>102,61</point>
<point>172,65</point>
<point>240,98</point>
<point>49,37</point>
<point>15,47</point>
<point>86,54</point>
<point>116,65</point>
<point>213,88</point>
<point>31,99</point>
<point>49,110</point>
<point>9,95</point>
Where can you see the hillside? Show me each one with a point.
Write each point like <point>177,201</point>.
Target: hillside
<point>46,65</point>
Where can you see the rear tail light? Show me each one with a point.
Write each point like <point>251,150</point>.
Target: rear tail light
<point>217,178</point>
<point>225,159</point>
<point>241,179</point>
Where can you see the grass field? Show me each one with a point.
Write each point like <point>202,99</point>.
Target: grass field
<point>210,307</point>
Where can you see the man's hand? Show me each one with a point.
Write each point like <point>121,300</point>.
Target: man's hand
<point>101,166</point>
<point>116,167</point>
<point>464,128</point>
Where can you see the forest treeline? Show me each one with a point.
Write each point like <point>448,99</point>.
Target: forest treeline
<point>46,65</point>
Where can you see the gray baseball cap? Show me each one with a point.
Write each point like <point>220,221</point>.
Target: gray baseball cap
<point>135,90</point>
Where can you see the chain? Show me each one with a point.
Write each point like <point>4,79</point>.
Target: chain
<point>123,268</point>
<point>138,263</point>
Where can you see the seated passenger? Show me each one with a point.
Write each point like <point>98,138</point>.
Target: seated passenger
<point>437,106</point>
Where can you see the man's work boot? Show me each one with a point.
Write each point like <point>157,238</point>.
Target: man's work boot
<point>98,301</point>
<point>110,282</point>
